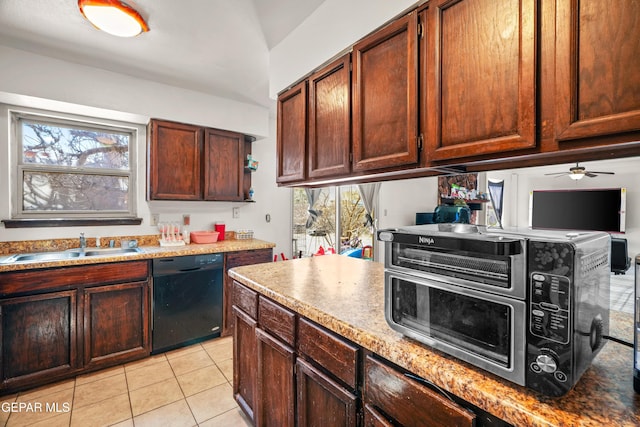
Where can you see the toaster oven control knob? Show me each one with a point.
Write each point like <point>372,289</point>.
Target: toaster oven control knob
<point>547,363</point>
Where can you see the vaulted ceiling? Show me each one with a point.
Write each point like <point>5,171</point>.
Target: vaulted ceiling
<point>220,47</point>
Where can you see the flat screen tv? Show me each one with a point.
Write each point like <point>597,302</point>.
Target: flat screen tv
<point>601,209</point>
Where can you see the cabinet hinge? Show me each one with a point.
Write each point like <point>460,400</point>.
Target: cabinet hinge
<point>420,139</point>
<point>350,157</point>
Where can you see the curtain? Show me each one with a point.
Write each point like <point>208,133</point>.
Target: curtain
<point>496,190</point>
<point>369,195</point>
<point>313,194</point>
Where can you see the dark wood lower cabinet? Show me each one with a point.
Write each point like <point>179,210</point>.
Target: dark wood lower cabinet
<point>39,338</point>
<point>407,402</point>
<point>116,323</point>
<point>244,361</point>
<point>61,322</point>
<point>275,405</point>
<point>321,401</point>
<point>290,371</point>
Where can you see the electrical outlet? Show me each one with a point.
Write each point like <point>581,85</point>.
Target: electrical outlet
<point>155,219</point>
<point>236,212</point>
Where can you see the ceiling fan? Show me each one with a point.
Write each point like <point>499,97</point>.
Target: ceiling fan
<point>578,172</point>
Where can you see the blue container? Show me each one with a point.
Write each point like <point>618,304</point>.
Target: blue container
<point>424,218</point>
<point>449,213</point>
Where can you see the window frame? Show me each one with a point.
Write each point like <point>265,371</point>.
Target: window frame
<point>18,167</point>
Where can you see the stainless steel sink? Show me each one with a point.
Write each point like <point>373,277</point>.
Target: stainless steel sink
<point>69,254</point>
<point>111,251</point>
<point>41,256</point>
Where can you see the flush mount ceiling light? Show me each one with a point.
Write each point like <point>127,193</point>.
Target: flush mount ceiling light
<point>113,17</point>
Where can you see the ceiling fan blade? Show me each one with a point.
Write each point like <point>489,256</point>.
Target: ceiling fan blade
<point>590,174</point>
<point>557,173</point>
<point>603,173</point>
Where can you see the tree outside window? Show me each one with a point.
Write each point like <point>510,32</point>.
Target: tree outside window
<point>315,226</point>
<point>72,168</point>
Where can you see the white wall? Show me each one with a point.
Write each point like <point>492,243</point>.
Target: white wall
<point>40,77</point>
<point>330,29</point>
<point>41,82</point>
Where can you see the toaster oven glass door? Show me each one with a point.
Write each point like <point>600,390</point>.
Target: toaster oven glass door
<point>472,322</point>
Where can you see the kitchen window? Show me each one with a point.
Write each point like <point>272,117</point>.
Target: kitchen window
<point>70,168</point>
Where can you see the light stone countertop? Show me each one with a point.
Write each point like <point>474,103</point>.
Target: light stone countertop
<point>345,295</point>
<point>149,252</point>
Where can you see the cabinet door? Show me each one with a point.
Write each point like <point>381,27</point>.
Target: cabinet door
<point>224,165</point>
<point>330,120</point>
<point>385,97</point>
<point>236,259</point>
<point>275,393</point>
<point>597,68</point>
<point>116,323</point>
<point>292,134</point>
<point>480,77</point>
<point>175,161</point>
<point>39,339</point>
<point>321,401</point>
<point>244,361</point>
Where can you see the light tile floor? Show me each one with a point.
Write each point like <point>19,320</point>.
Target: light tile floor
<point>185,387</point>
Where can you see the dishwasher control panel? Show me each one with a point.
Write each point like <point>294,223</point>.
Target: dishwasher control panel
<point>201,260</point>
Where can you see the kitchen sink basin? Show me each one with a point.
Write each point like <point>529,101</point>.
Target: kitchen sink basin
<point>41,256</point>
<point>112,251</point>
<point>69,254</point>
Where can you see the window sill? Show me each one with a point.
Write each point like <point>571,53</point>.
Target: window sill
<point>68,222</point>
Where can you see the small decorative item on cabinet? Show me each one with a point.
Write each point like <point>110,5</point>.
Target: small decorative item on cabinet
<point>244,234</point>
<point>252,164</point>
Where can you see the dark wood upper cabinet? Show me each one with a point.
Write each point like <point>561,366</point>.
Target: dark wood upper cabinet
<point>597,68</point>
<point>188,162</point>
<point>224,165</point>
<point>330,120</point>
<point>470,84</point>
<point>385,97</point>
<point>479,71</point>
<point>175,161</point>
<point>292,134</point>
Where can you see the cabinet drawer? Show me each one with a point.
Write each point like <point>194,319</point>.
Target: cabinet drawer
<point>69,277</point>
<point>407,401</point>
<point>279,321</point>
<point>245,299</point>
<point>330,351</point>
<point>255,256</point>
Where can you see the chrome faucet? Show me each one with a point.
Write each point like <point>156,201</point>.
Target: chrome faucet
<point>83,241</point>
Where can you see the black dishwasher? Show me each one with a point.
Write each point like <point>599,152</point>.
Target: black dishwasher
<point>187,300</point>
